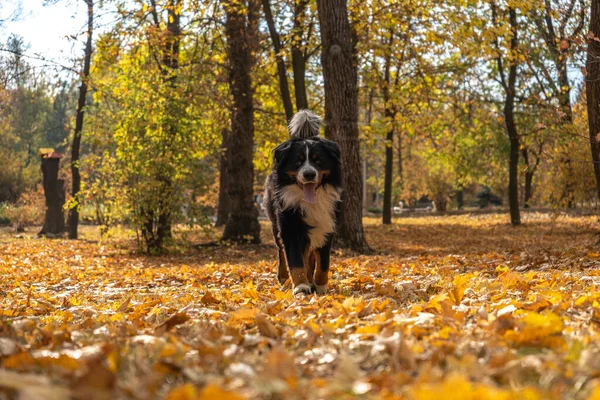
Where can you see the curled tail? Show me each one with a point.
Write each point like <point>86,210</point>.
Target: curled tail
<point>304,124</point>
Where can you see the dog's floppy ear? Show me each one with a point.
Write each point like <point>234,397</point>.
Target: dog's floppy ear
<point>280,153</point>
<point>333,149</point>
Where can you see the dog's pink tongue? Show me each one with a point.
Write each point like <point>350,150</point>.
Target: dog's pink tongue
<point>308,191</point>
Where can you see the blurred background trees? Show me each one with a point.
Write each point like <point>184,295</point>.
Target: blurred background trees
<point>188,98</point>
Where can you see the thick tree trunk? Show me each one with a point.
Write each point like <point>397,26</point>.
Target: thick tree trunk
<point>284,88</point>
<point>341,114</point>
<point>76,145</point>
<point>224,206</point>
<point>592,80</point>
<point>298,56</point>
<point>242,224</point>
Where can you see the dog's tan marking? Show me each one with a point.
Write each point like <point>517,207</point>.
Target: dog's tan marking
<point>321,277</point>
<point>309,261</point>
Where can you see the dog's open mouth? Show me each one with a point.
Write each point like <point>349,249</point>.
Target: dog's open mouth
<point>309,192</point>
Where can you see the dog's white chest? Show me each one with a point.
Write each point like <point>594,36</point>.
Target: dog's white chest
<point>319,216</point>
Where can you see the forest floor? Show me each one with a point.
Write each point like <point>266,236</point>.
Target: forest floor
<point>461,307</point>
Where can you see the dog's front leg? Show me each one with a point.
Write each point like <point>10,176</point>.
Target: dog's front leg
<point>322,268</point>
<point>295,253</point>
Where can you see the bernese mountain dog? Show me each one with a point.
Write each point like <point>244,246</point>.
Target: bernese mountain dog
<point>302,199</point>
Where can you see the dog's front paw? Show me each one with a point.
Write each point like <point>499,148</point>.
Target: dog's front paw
<point>303,288</point>
<point>321,289</point>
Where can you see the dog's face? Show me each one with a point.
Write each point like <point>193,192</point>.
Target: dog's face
<point>308,163</point>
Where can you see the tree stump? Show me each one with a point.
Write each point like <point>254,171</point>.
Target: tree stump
<point>54,191</point>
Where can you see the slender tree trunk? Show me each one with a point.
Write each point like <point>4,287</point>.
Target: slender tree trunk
<point>390,115</point>
<point>341,114</point>
<point>171,64</point>
<point>284,88</point>
<point>511,128</point>
<point>530,168</point>
<point>400,160</point>
<point>592,80</point>
<point>369,115</point>
<point>76,145</point>
<point>564,87</point>
<point>224,206</point>
<point>299,58</point>
<point>242,224</point>
<point>509,86</point>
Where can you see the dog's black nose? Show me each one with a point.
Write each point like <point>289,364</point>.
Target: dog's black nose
<point>309,175</point>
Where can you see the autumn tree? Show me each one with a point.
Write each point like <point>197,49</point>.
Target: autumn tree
<point>298,37</point>
<point>73,220</point>
<point>507,66</point>
<point>560,23</point>
<point>592,82</point>
<point>241,31</point>
<point>341,114</point>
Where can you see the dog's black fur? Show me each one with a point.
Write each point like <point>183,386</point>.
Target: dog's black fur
<point>304,224</point>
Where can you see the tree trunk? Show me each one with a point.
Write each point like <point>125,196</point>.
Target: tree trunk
<point>242,224</point>
<point>511,129</point>
<point>400,160</point>
<point>298,56</point>
<point>224,206</point>
<point>592,80</point>
<point>284,88</point>
<point>369,115</point>
<point>529,172</point>
<point>460,198</point>
<point>341,114</point>
<point>76,145</point>
<point>171,63</point>
<point>54,191</point>
<point>390,115</point>
<point>509,86</point>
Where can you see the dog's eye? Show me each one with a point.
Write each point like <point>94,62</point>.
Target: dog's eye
<point>318,161</point>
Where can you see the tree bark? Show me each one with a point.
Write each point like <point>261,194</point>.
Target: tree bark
<point>76,145</point>
<point>509,86</point>
<point>592,80</point>
<point>530,168</point>
<point>224,206</point>
<point>284,88</point>
<point>511,128</point>
<point>390,115</point>
<point>242,223</point>
<point>341,114</point>
<point>299,57</point>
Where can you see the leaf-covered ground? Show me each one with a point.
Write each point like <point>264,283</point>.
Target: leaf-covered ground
<point>460,307</point>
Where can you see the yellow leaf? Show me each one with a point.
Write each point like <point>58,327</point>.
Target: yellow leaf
<point>214,392</point>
